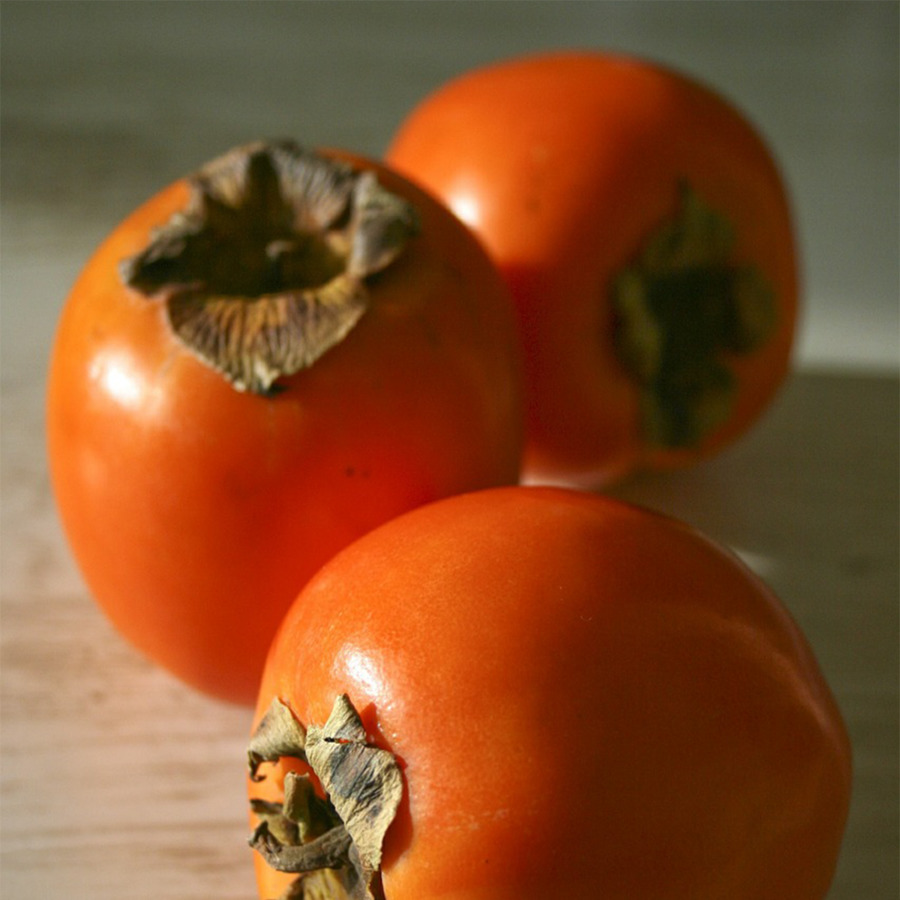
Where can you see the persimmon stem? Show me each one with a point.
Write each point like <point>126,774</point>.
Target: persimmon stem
<point>266,268</point>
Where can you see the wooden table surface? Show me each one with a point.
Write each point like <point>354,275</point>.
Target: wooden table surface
<point>119,782</point>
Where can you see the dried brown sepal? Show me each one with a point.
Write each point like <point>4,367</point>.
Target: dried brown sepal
<point>278,734</point>
<point>380,226</point>
<point>278,824</point>
<point>363,782</point>
<point>680,309</point>
<point>324,884</point>
<point>327,851</point>
<point>266,267</point>
<point>312,815</point>
<point>343,832</point>
<point>328,867</point>
<point>253,342</point>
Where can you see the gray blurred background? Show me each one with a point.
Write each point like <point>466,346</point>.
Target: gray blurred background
<point>105,102</point>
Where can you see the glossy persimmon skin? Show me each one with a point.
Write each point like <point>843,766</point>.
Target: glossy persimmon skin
<point>196,512</point>
<point>563,164</point>
<point>586,699</point>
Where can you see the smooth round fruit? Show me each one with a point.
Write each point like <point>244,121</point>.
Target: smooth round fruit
<point>645,233</point>
<point>354,355</point>
<point>585,700</point>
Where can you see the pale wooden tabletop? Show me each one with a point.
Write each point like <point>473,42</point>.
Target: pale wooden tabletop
<point>117,781</point>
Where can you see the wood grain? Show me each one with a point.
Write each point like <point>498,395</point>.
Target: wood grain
<point>117,782</point>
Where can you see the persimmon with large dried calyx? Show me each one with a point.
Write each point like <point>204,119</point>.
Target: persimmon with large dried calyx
<point>646,235</point>
<point>582,699</point>
<point>260,364</point>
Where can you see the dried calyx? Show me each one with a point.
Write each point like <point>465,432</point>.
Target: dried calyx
<point>266,267</point>
<point>332,842</point>
<point>681,310</point>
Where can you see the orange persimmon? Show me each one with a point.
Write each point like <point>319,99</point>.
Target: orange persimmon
<point>582,699</point>
<point>645,232</point>
<point>259,365</point>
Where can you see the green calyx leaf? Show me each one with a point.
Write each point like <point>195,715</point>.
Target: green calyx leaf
<point>681,310</point>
